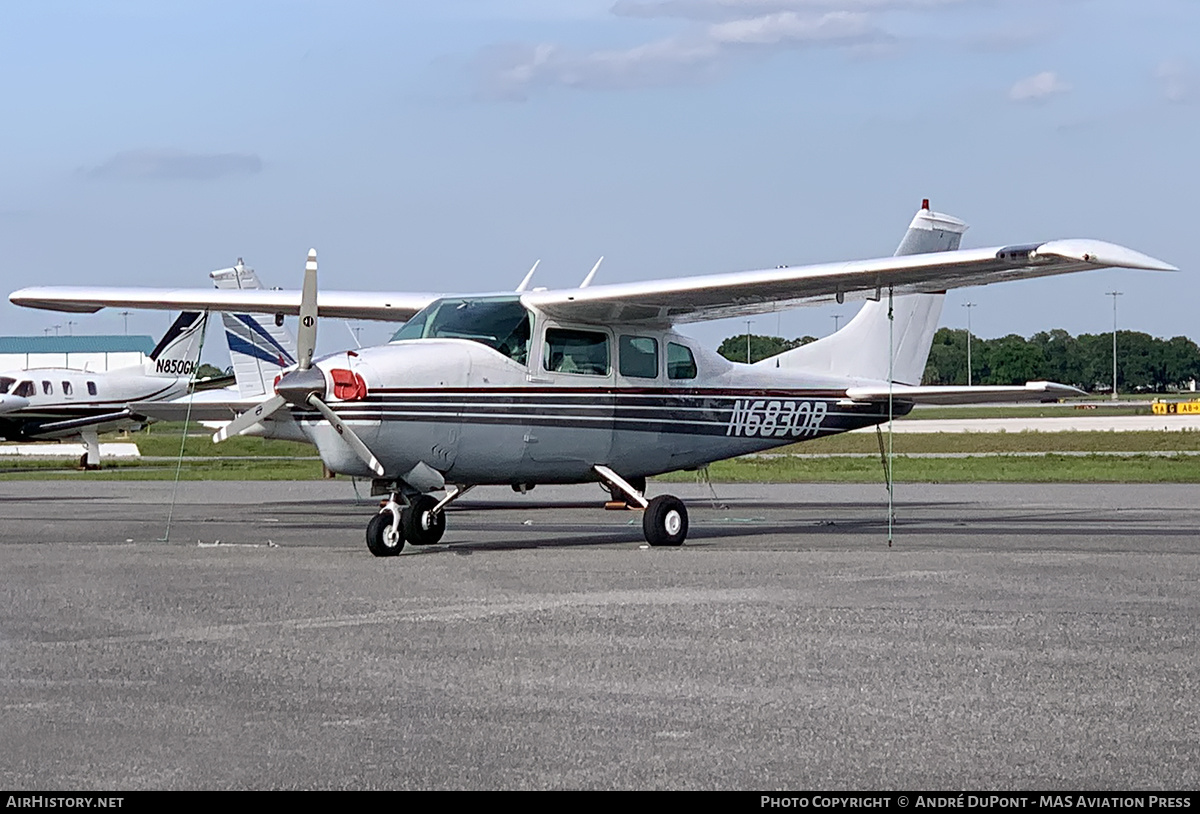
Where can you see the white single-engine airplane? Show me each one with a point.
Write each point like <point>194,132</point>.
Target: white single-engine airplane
<point>594,384</point>
<point>50,403</point>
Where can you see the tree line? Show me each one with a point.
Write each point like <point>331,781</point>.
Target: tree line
<point>1144,363</point>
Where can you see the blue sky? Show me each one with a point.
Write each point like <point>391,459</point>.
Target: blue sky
<point>447,146</point>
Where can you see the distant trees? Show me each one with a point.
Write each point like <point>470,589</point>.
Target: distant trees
<point>1144,363</point>
<point>761,347</point>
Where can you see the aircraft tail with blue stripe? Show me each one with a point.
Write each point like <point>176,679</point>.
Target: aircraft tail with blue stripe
<point>259,349</point>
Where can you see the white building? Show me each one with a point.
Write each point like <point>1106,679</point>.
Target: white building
<point>97,354</point>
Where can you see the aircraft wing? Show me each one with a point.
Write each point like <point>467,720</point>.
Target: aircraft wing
<point>388,307</point>
<point>717,296</point>
<point>1030,391</point>
<point>664,301</point>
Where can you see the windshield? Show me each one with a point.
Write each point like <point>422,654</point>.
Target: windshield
<point>502,324</point>
<point>6,383</point>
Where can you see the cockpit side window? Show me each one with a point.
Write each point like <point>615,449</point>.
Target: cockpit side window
<point>504,325</point>
<point>25,389</point>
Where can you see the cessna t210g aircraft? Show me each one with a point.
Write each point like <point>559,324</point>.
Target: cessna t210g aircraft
<point>594,383</point>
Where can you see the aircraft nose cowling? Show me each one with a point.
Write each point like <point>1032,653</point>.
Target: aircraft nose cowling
<point>298,385</point>
<point>11,404</point>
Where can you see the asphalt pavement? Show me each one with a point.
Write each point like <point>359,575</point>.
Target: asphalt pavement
<point>1011,637</point>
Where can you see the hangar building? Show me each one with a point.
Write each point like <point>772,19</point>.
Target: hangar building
<point>97,354</point>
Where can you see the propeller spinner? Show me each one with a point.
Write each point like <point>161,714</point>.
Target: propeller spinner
<point>304,386</point>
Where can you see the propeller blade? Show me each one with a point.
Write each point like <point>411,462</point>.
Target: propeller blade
<point>360,449</point>
<point>264,409</point>
<point>306,334</point>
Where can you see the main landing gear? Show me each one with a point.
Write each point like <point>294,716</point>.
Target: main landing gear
<point>664,519</point>
<point>421,520</point>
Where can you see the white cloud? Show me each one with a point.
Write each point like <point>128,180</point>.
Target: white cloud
<point>694,55</point>
<point>1038,87</point>
<point>733,9</point>
<point>787,26</point>
<point>1177,80</point>
<point>176,165</point>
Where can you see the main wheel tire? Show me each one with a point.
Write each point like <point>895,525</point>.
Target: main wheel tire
<point>665,521</point>
<point>421,525</point>
<point>380,540</point>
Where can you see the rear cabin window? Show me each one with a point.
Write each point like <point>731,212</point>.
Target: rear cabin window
<point>638,356</point>
<point>570,351</point>
<point>91,388</point>
<point>681,364</point>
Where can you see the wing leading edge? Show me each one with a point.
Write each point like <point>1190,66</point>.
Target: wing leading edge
<point>718,296</point>
<point>665,301</point>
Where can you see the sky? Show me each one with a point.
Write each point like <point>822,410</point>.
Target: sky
<point>447,146</point>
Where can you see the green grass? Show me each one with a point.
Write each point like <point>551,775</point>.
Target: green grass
<point>1025,441</point>
<point>1029,411</point>
<point>247,458</point>
<point>1041,469</point>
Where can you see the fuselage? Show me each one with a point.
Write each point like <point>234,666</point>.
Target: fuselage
<point>531,400</point>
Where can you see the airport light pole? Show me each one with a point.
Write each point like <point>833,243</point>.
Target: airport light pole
<point>836,319</point>
<point>1114,295</point>
<point>125,315</point>
<point>968,306</point>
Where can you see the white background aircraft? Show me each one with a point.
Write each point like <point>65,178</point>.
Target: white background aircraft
<point>51,403</point>
<point>594,383</point>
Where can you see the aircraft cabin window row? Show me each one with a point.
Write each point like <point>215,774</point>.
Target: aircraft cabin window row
<point>571,351</point>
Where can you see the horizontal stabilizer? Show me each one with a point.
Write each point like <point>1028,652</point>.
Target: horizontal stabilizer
<point>197,410</point>
<point>1031,391</point>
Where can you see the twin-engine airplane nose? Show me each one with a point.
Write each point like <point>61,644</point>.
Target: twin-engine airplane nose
<point>298,385</point>
<point>11,404</point>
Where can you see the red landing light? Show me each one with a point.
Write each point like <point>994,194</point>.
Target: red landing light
<point>347,385</point>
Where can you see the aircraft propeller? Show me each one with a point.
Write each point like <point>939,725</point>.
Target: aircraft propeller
<point>305,385</point>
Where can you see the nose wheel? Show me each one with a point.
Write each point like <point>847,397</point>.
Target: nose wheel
<point>384,535</point>
<point>423,521</point>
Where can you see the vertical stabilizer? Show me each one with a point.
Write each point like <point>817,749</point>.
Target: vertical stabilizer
<point>178,352</point>
<point>860,349</point>
<point>258,348</point>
